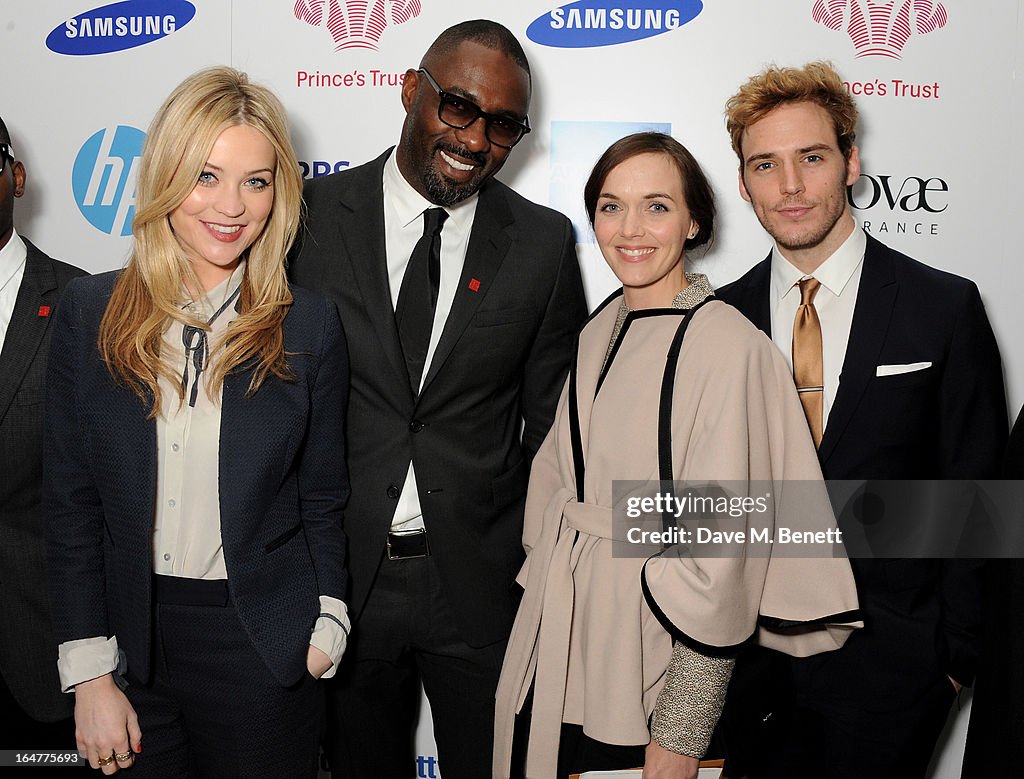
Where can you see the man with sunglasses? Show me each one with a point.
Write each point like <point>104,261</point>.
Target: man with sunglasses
<point>461,301</point>
<point>34,711</point>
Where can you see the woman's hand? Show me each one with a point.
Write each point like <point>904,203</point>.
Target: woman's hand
<point>660,763</point>
<point>317,662</point>
<point>106,728</point>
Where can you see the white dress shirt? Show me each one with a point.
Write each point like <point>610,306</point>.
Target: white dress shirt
<point>12,271</point>
<point>835,301</point>
<point>403,227</point>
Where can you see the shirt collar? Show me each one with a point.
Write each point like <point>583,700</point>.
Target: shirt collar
<point>214,298</point>
<point>12,258</point>
<point>408,205</point>
<point>834,273</point>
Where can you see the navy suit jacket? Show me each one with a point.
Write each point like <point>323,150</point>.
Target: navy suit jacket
<point>28,654</point>
<point>945,422</point>
<point>282,483</point>
<point>488,397</point>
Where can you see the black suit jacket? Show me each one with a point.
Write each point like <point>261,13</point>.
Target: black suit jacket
<point>488,397</point>
<point>945,422</point>
<point>995,739</point>
<point>28,653</point>
<point>282,486</point>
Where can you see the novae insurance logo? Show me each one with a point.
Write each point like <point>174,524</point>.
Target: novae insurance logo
<point>119,26</point>
<point>103,178</point>
<point>356,24</point>
<point>589,23</point>
<point>899,203</point>
<point>880,29</point>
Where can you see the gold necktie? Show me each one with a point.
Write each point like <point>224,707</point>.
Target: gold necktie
<point>807,357</point>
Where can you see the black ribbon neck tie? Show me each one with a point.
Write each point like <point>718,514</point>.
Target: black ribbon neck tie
<point>196,348</point>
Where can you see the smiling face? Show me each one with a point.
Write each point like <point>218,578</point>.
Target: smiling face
<point>796,178</point>
<point>442,163</point>
<point>642,223</point>
<point>230,204</point>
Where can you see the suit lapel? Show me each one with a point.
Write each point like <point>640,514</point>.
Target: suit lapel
<point>875,300</point>
<point>238,418</point>
<point>252,450</point>
<point>361,231</point>
<point>488,244</point>
<point>753,297</point>
<point>27,327</point>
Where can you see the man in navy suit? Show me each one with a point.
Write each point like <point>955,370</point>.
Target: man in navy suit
<point>441,435</point>
<point>909,387</point>
<point>35,712</point>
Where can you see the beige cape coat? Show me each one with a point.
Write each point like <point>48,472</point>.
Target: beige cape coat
<point>585,638</point>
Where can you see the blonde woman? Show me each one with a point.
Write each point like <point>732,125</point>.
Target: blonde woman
<point>195,474</point>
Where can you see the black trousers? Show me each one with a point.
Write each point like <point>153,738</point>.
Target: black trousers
<point>213,709</point>
<point>834,739</point>
<point>404,635</point>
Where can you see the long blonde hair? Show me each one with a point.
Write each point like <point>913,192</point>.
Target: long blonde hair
<point>148,291</point>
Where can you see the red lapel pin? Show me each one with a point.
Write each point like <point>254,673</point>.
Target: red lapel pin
<point>44,311</point>
<point>474,284</point>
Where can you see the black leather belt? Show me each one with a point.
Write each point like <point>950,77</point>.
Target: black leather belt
<point>406,546</point>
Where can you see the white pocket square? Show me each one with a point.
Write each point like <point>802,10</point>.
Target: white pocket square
<point>894,370</point>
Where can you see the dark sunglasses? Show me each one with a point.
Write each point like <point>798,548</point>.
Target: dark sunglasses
<point>458,112</point>
<point>6,153</point>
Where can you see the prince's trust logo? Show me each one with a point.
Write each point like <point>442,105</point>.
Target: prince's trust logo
<point>356,24</point>
<point>880,29</point>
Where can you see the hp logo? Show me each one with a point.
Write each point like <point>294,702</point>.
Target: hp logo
<point>103,178</point>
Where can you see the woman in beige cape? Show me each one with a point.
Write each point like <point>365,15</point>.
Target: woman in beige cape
<point>617,660</point>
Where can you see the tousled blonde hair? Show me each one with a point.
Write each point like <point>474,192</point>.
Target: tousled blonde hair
<point>148,291</point>
<point>815,82</point>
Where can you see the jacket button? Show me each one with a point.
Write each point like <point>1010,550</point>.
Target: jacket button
<point>415,426</point>
<point>393,492</point>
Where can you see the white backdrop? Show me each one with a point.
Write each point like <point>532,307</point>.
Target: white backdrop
<point>941,114</point>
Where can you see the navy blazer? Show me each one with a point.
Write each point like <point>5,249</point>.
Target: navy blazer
<point>947,421</point>
<point>282,483</point>
<point>488,396</point>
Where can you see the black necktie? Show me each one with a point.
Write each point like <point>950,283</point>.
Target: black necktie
<point>417,297</point>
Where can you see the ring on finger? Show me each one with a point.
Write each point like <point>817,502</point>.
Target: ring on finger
<point>121,757</point>
<point>102,761</point>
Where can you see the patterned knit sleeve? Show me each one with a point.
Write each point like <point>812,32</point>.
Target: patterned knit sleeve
<point>691,701</point>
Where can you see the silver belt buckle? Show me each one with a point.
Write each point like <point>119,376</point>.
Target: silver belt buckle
<point>394,555</point>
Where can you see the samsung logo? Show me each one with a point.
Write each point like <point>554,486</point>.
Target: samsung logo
<point>119,26</point>
<point>589,23</point>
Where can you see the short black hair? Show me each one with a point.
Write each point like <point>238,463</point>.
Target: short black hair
<point>4,135</point>
<point>488,34</point>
